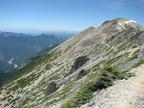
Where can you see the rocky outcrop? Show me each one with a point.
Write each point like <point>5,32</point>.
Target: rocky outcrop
<point>52,87</point>
<point>80,75</point>
<point>80,61</point>
<point>106,22</point>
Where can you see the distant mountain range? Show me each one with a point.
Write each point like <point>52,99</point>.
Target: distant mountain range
<point>15,48</point>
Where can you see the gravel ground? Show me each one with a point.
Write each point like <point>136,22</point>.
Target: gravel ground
<point>123,94</point>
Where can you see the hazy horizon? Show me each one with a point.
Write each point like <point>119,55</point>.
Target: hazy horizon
<point>35,31</point>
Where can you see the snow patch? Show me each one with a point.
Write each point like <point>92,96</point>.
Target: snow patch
<point>126,22</point>
<point>15,66</point>
<point>50,46</point>
<point>10,62</point>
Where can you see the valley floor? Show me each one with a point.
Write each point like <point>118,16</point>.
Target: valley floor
<point>123,94</point>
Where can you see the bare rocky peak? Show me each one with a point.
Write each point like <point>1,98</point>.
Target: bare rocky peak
<point>93,36</point>
<point>122,23</point>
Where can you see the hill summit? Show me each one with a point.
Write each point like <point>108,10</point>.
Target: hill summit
<point>97,68</point>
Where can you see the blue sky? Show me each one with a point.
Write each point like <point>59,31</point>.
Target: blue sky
<point>32,15</point>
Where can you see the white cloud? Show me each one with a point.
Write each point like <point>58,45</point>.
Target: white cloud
<point>116,4</point>
<point>120,4</point>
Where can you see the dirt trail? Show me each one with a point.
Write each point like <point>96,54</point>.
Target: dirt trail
<point>123,94</point>
<point>137,85</point>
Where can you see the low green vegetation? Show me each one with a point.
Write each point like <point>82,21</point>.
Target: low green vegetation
<point>44,59</point>
<point>138,63</point>
<point>122,47</point>
<point>25,101</point>
<point>136,52</point>
<point>7,97</point>
<point>55,77</point>
<point>131,58</point>
<point>86,72</point>
<point>14,100</point>
<point>21,83</point>
<point>134,46</point>
<point>48,66</point>
<point>111,61</point>
<point>105,79</point>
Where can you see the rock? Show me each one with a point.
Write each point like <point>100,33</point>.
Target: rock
<point>52,87</point>
<point>80,75</point>
<point>106,22</point>
<point>80,61</point>
<point>91,103</point>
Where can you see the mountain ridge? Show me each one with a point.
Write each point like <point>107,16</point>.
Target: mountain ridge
<point>23,46</point>
<point>112,49</point>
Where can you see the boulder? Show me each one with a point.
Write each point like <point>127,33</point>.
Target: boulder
<point>80,61</point>
<point>80,75</point>
<point>52,87</point>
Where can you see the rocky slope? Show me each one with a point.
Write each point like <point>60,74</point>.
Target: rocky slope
<point>81,70</point>
<point>126,93</point>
